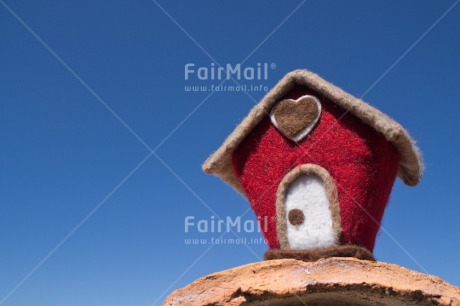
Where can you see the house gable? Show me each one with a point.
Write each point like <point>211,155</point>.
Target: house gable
<point>410,162</point>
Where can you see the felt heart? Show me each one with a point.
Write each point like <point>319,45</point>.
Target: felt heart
<point>296,118</point>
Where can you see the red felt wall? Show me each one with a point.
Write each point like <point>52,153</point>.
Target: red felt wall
<point>361,161</point>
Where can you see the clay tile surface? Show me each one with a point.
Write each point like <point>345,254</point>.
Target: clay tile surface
<point>332,281</point>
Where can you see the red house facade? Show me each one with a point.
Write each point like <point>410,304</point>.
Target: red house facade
<point>318,165</point>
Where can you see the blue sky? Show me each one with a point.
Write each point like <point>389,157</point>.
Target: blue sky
<point>84,222</point>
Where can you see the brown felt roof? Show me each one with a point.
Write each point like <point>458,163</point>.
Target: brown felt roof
<point>410,167</point>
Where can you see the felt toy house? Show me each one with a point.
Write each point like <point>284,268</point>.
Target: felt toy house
<point>317,166</point>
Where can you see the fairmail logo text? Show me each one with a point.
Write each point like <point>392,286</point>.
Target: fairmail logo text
<point>258,72</point>
<point>227,225</point>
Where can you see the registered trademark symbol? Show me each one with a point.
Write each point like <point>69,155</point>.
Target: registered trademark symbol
<point>272,65</point>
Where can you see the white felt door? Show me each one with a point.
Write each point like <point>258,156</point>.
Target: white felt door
<point>308,216</point>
